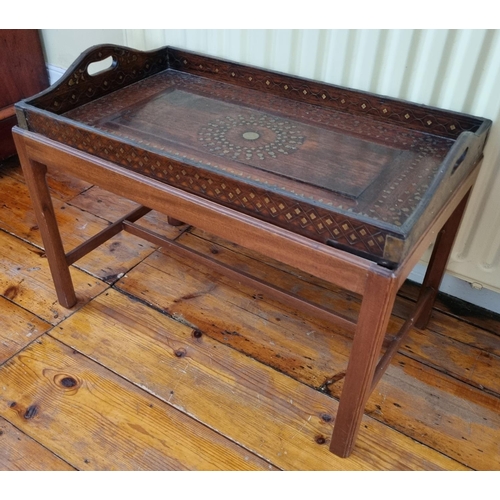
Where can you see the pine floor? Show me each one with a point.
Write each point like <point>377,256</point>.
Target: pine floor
<point>166,365</point>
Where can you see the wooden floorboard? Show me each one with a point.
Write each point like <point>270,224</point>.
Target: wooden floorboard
<point>164,364</point>
<point>58,398</point>
<point>19,452</point>
<point>19,327</point>
<point>263,410</point>
<point>316,354</point>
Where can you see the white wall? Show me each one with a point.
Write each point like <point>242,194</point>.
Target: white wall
<point>62,47</point>
<point>453,69</point>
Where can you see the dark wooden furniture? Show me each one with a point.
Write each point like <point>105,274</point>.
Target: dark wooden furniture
<point>22,74</point>
<point>348,186</point>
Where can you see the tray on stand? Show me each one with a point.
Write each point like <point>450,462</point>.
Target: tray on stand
<point>348,186</point>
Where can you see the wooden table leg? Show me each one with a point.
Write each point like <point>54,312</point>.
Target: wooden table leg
<point>439,259</point>
<point>174,222</point>
<point>35,175</point>
<point>376,308</point>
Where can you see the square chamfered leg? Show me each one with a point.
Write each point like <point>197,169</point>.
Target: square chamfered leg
<point>376,308</point>
<point>366,366</point>
<point>35,174</point>
<point>439,258</point>
<point>174,222</point>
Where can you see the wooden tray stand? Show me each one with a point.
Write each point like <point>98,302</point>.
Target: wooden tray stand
<point>377,285</point>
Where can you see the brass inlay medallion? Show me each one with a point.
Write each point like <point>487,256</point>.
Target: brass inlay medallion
<point>251,136</point>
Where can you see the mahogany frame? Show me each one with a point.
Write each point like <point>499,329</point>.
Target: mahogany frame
<point>377,285</point>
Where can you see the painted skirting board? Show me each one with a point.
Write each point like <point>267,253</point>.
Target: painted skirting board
<point>54,73</point>
<point>485,298</point>
<point>469,292</point>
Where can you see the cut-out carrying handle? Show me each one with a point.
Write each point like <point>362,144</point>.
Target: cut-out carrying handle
<point>459,161</point>
<point>89,77</point>
<point>459,156</point>
<point>89,64</point>
<point>466,152</point>
<point>103,66</point>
